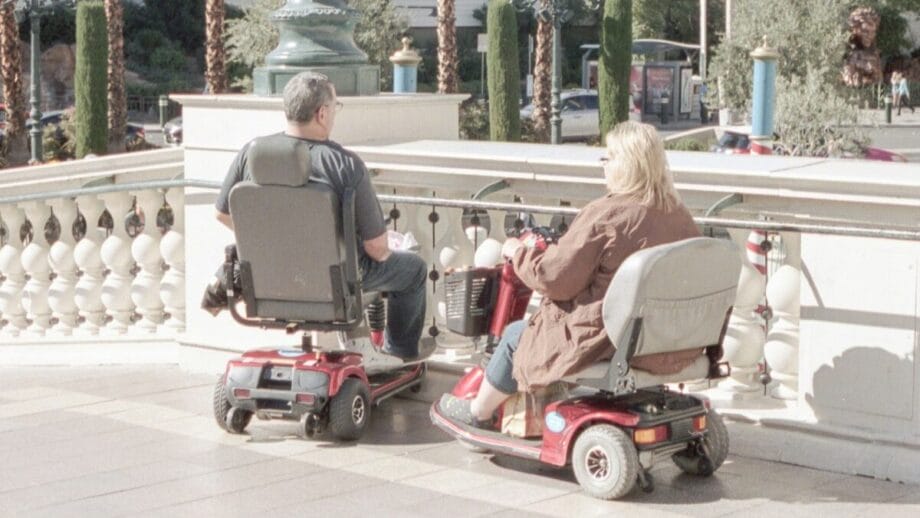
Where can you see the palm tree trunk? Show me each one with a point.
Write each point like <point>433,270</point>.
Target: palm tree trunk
<point>215,73</point>
<point>447,47</point>
<point>543,76</point>
<point>118,104</point>
<point>17,150</point>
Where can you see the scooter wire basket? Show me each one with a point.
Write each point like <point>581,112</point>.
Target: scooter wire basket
<point>470,297</point>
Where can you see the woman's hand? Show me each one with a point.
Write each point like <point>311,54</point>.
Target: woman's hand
<point>510,247</point>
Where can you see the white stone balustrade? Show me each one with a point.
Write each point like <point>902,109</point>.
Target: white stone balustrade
<point>88,291</point>
<point>172,249</point>
<point>38,271</point>
<point>11,272</point>
<point>64,269</point>
<point>116,255</point>
<point>145,249</point>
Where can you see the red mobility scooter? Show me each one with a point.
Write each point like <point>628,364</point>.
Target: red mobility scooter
<point>296,257</point>
<point>618,421</point>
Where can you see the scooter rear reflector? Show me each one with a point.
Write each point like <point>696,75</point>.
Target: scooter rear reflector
<point>650,435</point>
<point>699,423</point>
<point>307,399</point>
<point>241,393</point>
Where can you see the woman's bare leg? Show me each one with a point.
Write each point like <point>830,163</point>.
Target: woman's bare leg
<point>487,401</point>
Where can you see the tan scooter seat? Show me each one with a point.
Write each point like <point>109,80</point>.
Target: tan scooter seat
<point>665,299</point>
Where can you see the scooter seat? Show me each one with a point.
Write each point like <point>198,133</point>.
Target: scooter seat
<point>596,375</point>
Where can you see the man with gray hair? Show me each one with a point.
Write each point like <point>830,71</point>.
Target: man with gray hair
<point>310,106</point>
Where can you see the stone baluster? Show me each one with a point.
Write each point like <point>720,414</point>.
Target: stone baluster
<point>38,271</point>
<point>86,253</point>
<point>781,350</point>
<point>61,259</point>
<point>12,276</point>
<point>172,248</point>
<point>744,339</point>
<point>116,255</point>
<point>145,290</point>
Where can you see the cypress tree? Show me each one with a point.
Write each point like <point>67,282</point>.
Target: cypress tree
<point>90,89</point>
<point>504,72</point>
<point>614,64</point>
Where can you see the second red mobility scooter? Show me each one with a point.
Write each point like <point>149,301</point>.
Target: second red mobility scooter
<point>297,262</point>
<point>617,421</point>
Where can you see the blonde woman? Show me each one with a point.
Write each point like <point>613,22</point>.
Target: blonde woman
<point>641,209</point>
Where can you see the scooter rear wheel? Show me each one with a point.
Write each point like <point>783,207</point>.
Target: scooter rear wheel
<point>350,410</point>
<point>605,462</point>
<point>692,462</point>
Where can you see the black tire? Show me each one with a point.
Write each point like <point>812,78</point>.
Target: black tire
<point>238,420</point>
<point>221,404</point>
<point>605,462</point>
<point>350,410</point>
<point>692,463</point>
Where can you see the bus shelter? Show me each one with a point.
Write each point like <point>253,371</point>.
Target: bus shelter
<point>658,83</point>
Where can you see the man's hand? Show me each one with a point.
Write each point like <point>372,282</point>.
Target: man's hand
<point>378,248</point>
<point>225,219</point>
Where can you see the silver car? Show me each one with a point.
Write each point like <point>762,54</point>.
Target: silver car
<point>580,118</point>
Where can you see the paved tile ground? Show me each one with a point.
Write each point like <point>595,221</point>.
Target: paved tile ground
<point>140,441</point>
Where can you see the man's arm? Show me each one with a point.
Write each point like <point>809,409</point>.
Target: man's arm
<point>369,216</point>
<point>234,176</point>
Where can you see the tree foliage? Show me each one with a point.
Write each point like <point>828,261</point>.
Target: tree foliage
<point>504,73</point>
<point>813,116</point>
<point>614,64</point>
<point>377,33</point>
<point>90,76</point>
<point>676,20</point>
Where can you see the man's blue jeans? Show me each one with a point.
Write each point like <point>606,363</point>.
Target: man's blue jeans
<point>402,276</point>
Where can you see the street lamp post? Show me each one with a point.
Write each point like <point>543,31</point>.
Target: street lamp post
<point>33,10</point>
<point>557,12</point>
<point>35,133</point>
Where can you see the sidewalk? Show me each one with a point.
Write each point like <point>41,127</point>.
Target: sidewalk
<point>140,441</point>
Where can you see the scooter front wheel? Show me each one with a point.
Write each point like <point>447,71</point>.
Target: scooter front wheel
<point>605,462</point>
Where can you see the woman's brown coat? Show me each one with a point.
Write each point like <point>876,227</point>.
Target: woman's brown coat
<point>567,333</point>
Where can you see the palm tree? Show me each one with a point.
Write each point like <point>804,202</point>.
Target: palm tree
<point>447,47</point>
<point>11,70</point>
<point>118,104</point>
<point>215,73</point>
<point>542,75</point>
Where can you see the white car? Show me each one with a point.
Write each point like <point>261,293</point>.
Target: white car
<point>580,117</point>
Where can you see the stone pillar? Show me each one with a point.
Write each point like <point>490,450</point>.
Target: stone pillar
<point>172,248</point>
<point>88,291</point>
<point>38,272</point>
<point>145,290</point>
<point>12,276</point>
<point>765,58</point>
<point>405,68</point>
<point>61,259</point>
<point>116,254</point>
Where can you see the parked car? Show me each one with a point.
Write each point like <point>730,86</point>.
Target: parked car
<point>172,131</point>
<point>133,132</point>
<point>580,117</point>
<point>738,142</point>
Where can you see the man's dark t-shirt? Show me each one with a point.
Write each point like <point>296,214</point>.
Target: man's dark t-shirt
<point>331,162</point>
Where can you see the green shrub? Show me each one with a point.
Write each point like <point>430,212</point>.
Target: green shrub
<point>90,79</point>
<point>474,120</point>
<point>504,75</point>
<point>685,145</point>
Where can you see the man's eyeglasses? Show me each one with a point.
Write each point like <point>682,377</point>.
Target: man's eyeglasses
<point>337,106</point>
<point>605,160</point>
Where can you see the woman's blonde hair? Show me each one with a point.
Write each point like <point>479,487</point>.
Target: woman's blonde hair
<point>637,166</point>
